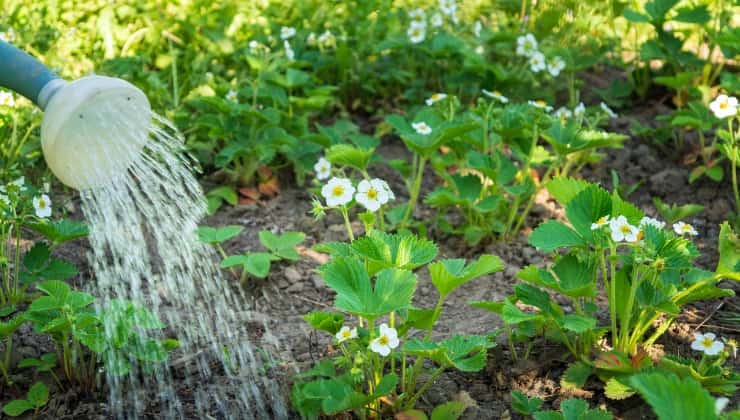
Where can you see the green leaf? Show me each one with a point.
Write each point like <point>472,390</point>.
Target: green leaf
<point>657,9</point>
<point>61,231</point>
<point>211,235</point>
<point>448,275</point>
<point>330,322</point>
<point>55,289</point>
<point>524,405</point>
<point>578,323</point>
<point>575,278</point>
<point>616,390</point>
<point>699,14</point>
<point>17,407</point>
<point>673,213</point>
<point>576,375</point>
<point>347,155</point>
<point>406,252</point>
<point>224,193</point>
<point>347,276</point>
<point>564,189</point>
<point>282,245</point>
<point>729,252</point>
<point>635,17</point>
<point>58,270</point>
<point>674,398</point>
<point>587,207</point>
<point>448,411</point>
<point>513,315</point>
<point>551,235</point>
<point>38,395</point>
<point>465,353</point>
<point>36,258</point>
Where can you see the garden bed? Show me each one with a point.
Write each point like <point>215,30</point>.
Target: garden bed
<point>275,305</point>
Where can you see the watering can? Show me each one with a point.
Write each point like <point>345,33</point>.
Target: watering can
<point>93,127</point>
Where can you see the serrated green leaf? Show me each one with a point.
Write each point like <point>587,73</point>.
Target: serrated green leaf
<point>38,395</point>
<point>578,323</point>
<point>448,275</point>
<point>211,235</point>
<point>564,189</point>
<point>448,411</point>
<point>36,258</point>
<point>587,207</point>
<point>347,155</point>
<point>674,398</point>
<point>61,231</point>
<point>282,245</point>
<point>616,390</point>
<point>524,405</point>
<point>330,322</point>
<point>551,235</point>
<point>17,407</point>
<point>576,375</point>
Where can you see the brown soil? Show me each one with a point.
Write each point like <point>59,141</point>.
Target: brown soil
<point>278,302</point>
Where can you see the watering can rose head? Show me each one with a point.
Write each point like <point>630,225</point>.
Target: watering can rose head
<point>93,128</point>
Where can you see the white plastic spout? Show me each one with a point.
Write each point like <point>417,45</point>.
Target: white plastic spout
<point>93,129</point>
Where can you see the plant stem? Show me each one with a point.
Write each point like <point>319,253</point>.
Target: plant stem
<point>415,189</point>
<point>427,384</point>
<point>733,165</point>
<point>612,289</point>
<point>347,224</point>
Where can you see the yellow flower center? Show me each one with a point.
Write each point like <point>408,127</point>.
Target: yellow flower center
<point>625,229</point>
<point>540,102</point>
<point>372,194</point>
<point>707,342</point>
<point>601,221</point>
<point>723,105</point>
<point>42,204</point>
<point>346,334</point>
<point>383,340</point>
<point>496,93</point>
<point>435,96</point>
<point>686,228</point>
<point>338,191</point>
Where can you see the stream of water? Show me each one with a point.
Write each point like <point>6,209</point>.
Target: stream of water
<point>144,249</point>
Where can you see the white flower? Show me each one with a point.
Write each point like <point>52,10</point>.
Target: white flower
<point>526,45</point>
<point>579,111</point>
<point>346,333</point>
<point>422,128</point>
<point>608,110</point>
<point>232,96</point>
<point>6,99</point>
<point>720,404</point>
<point>477,27</point>
<point>555,66</point>
<point>418,16</point>
<point>388,191</point>
<point>680,228</point>
<point>387,340</point>
<point>437,20</point>
<point>603,221</point>
<point>496,95</point>
<point>8,36</point>
<point>254,45</point>
<point>448,7</point>
<point>322,169</point>
<point>289,53</point>
<point>537,62</point>
<point>539,103</point>
<point>287,32</point>
<point>707,343</point>
<point>479,50</point>
<point>435,98</point>
<point>338,192</point>
<point>42,205</point>
<point>724,106</point>
<point>371,194</point>
<point>563,114</point>
<point>327,39</point>
<point>623,231</point>
<point>652,222</point>
<point>416,33</point>
<point>311,40</point>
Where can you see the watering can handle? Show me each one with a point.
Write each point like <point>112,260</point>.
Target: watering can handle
<point>26,75</point>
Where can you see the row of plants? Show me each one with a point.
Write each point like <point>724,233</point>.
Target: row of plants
<point>34,291</point>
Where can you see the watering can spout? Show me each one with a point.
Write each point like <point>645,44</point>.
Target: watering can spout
<point>93,127</point>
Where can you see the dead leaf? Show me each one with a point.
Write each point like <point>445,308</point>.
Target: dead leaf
<point>270,188</point>
<point>310,253</point>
